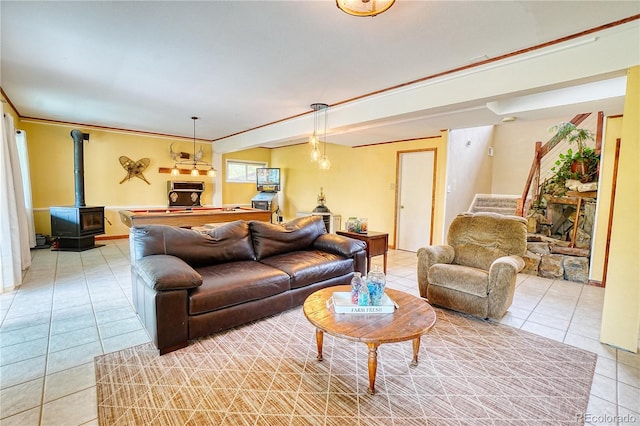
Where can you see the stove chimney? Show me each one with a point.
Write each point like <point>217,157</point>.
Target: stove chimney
<point>78,165</point>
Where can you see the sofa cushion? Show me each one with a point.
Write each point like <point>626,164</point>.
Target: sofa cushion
<point>226,243</point>
<point>270,239</point>
<point>310,266</point>
<point>233,283</point>
<point>462,278</point>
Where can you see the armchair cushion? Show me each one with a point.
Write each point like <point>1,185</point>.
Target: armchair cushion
<point>480,238</point>
<point>462,278</point>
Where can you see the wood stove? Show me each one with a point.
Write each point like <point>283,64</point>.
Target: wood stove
<point>74,227</point>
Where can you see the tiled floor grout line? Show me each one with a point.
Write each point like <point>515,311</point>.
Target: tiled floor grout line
<point>46,354</point>
<point>93,309</point>
<point>573,313</point>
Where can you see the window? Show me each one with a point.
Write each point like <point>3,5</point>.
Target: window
<point>243,171</point>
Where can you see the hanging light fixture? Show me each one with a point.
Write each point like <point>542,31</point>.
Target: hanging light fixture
<point>196,160</point>
<point>323,162</point>
<point>364,7</point>
<point>313,139</point>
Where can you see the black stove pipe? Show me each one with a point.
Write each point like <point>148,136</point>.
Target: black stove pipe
<point>78,165</point>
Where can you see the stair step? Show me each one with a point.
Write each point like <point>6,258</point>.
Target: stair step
<point>496,202</point>
<point>501,210</point>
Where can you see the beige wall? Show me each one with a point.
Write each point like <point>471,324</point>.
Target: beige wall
<point>514,147</point>
<point>513,150</point>
<point>621,311</point>
<point>469,169</point>
<point>361,181</point>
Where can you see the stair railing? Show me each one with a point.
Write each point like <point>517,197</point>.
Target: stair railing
<point>533,179</point>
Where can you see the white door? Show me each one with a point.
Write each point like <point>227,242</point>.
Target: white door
<point>416,175</point>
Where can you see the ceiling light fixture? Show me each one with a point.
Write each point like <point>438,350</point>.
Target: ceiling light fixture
<point>323,162</point>
<point>196,160</point>
<point>364,7</point>
<point>313,139</point>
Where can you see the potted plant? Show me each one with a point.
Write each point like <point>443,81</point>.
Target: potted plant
<point>565,169</point>
<point>581,161</point>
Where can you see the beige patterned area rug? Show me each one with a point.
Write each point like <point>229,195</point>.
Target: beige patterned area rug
<point>470,372</point>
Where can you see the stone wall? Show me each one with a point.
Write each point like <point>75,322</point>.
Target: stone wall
<point>539,260</point>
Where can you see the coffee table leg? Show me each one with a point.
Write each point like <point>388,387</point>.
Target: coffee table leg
<point>416,348</point>
<point>373,366</point>
<point>319,339</point>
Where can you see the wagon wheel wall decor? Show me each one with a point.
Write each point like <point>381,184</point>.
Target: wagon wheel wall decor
<point>134,168</point>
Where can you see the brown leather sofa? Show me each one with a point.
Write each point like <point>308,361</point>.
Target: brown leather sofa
<point>187,284</point>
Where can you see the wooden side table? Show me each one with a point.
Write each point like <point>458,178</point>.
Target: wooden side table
<point>377,244</point>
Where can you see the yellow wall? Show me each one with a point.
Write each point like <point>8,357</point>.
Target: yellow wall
<point>621,310</point>
<point>242,193</point>
<point>353,186</point>
<point>51,162</point>
<point>361,182</point>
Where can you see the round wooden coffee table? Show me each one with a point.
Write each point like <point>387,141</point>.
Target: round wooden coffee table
<point>413,318</point>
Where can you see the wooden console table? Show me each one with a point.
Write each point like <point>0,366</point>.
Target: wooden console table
<point>377,244</point>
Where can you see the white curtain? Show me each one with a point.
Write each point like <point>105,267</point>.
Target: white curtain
<point>23,157</point>
<point>15,255</point>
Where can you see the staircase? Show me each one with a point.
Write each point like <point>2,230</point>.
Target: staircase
<point>503,204</point>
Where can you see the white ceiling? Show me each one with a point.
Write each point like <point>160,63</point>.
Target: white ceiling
<point>240,65</point>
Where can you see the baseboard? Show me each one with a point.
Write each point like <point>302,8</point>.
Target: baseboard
<point>112,237</point>
<point>595,283</point>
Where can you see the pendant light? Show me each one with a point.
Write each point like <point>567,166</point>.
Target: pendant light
<point>313,139</point>
<point>316,155</point>
<point>324,163</point>
<point>196,160</point>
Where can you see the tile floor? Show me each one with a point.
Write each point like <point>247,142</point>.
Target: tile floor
<point>74,306</point>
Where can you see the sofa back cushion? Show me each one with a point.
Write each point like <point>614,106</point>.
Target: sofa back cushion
<point>299,234</point>
<point>480,238</point>
<point>229,242</point>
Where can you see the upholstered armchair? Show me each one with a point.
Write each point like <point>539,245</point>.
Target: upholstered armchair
<point>476,271</point>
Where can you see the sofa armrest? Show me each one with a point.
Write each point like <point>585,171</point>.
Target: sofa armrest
<point>339,244</point>
<point>502,284</point>
<point>166,272</point>
<point>429,256</point>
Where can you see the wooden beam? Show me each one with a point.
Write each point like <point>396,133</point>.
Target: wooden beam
<point>614,181</point>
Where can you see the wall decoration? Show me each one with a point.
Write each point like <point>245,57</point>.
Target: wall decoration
<point>134,168</point>
<point>179,156</point>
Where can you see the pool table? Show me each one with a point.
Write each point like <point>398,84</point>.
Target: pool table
<point>187,217</point>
